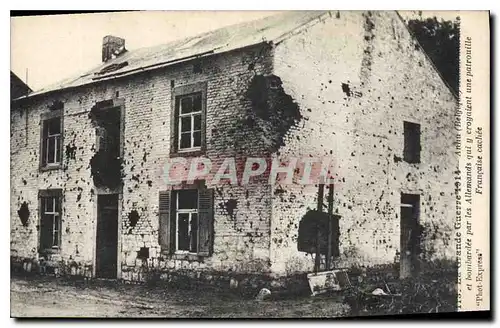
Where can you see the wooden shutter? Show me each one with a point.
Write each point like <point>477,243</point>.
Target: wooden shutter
<point>43,143</point>
<point>205,221</point>
<point>174,125</point>
<point>165,225</point>
<point>61,138</point>
<point>204,119</point>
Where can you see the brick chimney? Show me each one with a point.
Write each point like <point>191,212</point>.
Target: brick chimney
<point>112,47</point>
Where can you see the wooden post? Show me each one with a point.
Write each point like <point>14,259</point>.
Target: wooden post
<point>317,262</point>
<point>317,259</point>
<point>330,227</point>
<point>321,189</point>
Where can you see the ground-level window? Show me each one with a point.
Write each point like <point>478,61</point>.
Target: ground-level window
<point>186,212</point>
<point>186,221</point>
<point>50,219</point>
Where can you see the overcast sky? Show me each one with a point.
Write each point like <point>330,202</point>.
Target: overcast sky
<point>56,47</point>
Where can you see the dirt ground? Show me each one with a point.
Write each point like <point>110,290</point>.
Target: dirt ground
<point>57,297</point>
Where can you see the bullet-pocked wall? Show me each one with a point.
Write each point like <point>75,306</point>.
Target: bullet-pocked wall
<point>339,88</point>
<point>356,77</point>
<point>242,214</point>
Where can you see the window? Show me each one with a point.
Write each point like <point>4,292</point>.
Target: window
<point>50,219</point>
<point>51,143</point>
<point>186,237</point>
<point>188,118</point>
<point>189,121</point>
<point>186,221</point>
<point>411,142</point>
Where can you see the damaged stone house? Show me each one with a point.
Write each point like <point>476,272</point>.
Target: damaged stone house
<point>88,195</point>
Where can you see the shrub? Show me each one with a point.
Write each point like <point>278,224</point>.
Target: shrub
<point>433,290</point>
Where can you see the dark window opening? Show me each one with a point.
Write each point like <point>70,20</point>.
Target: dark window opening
<point>106,164</point>
<point>51,141</point>
<point>50,222</point>
<point>412,145</point>
<point>108,132</point>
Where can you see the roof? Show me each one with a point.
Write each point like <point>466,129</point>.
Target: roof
<point>271,28</point>
<point>17,87</point>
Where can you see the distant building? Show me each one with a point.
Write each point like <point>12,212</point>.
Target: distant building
<point>17,87</point>
<point>87,155</point>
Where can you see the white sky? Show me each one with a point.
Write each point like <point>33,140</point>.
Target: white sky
<point>56,47</point>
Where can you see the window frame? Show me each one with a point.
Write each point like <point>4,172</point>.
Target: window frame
<point>43,195</point>
<point>191,116</point>
<point>177,94</point>
<point>190,212</point>
<point>44,119</point>
<point>168,226</point>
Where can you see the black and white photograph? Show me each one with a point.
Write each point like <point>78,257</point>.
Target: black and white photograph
<point>249,164</point>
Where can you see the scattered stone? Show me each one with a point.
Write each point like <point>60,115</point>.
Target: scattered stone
<point>263,294</point>
<point>379,291</point>
<point>233,283</point>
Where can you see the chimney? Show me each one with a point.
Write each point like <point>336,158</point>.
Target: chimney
<point>112,47</point>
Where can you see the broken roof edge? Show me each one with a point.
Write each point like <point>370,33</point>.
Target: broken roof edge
<point>214,51</point>
<point>453,93</point>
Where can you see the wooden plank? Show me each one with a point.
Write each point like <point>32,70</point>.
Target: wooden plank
<point>317,262</point>
<point>330,227</point>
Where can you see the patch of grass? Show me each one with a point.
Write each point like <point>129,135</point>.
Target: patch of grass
<point>433,290</point>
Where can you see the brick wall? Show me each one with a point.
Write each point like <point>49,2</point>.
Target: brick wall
<point>241,241</point>
<point>356,77</point>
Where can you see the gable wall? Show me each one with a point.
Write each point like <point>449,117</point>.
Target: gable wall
<point>389,81</point>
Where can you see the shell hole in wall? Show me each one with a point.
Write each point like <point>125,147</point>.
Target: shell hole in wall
<point>24,213</point>
<point>133,218</point>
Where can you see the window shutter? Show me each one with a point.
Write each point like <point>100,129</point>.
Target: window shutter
<point>204,120</point>
<point>165,230</point>
<point>61,139</point>
<point>174,126</point>
<point>60,209</point>
<point>43,143</point>
<point>205,221</point>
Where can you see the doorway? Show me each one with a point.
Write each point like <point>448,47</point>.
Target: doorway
<point>107,236</point>
<point>410,235</point>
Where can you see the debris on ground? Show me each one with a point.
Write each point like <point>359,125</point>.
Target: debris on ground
<point>423,293</point>
<point>233,283</point>
<point>327,281</point>
<point>263,294</point>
